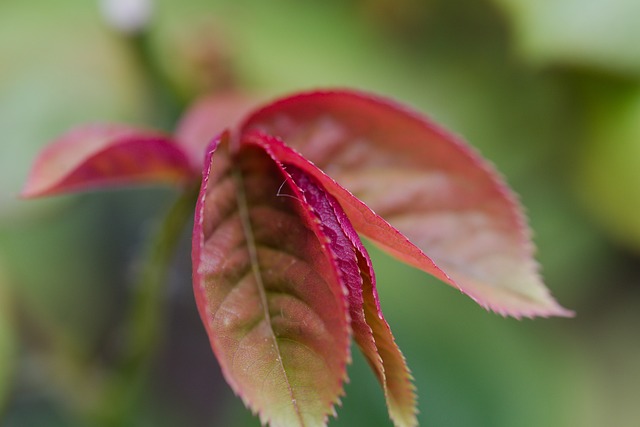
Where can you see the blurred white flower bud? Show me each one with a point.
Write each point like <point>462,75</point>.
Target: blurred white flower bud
<point>127,16</point>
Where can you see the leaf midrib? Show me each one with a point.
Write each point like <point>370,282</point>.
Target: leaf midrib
<point>243,210</point>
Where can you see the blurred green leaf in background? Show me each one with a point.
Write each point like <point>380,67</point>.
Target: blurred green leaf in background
<point>598,34</point>
<point>548,90</point>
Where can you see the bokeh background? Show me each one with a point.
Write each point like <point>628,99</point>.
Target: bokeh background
<point>548,90</point>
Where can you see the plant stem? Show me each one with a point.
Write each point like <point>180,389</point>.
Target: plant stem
<point>163,105</point>
<point>146,316</point>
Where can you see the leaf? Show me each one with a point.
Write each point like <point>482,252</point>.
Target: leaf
<point>428,184</point>
<point>595,34</point>
<point>95,156</point>
<point>207,118</point>
<point>268,290</point>
<point>607,169</point>
<point>370,329</point>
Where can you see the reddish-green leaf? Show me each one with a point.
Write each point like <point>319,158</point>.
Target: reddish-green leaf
<point>370,329</point>
<point>269,291</point>
<point>95,156</point>
<point>425,182</point>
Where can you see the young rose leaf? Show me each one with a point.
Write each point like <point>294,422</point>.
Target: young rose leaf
<point>428,184</point>
<point>357,211</point>
<point>96,156</point>
<point>209,117</point>
<point>371,331</point>
<point>268,290</point>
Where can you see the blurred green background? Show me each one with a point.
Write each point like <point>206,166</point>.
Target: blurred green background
<point>548,90</point>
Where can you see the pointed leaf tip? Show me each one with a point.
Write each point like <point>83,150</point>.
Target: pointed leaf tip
<point>428,184</point>
<point>95,156</point>
<point>270,296</point>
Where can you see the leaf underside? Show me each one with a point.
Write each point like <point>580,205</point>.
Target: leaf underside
<point>270,296</point>
<point>96,156</point>
<point>427,184</point>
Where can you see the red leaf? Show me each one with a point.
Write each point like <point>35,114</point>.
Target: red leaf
<point>371,331</point>
<point>208,118</point>
<point>427,183</point>
<point>96,156</point>
<point>269,292</point>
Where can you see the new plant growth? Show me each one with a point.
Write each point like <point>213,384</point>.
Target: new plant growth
<point>281,278</point>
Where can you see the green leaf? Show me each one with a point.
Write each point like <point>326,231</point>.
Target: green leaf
<point>595,33</point>
<point>608,176</point>
<point>268,290</point>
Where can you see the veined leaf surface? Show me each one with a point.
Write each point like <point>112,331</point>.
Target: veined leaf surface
<point>371,331</point>
<point>425,182</point>
<point>96,156</point>
<point>269,291</point>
